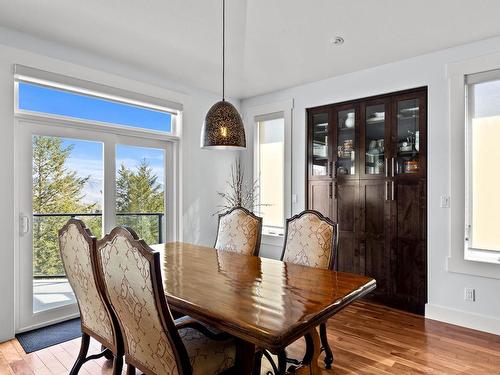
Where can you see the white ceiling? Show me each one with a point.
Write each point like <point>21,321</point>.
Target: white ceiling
<point>272,44</point>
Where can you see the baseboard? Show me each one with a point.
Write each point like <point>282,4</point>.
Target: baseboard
<point>463,318</point>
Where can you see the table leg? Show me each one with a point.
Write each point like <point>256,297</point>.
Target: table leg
<point>245,357</point>
<point>313,350</point>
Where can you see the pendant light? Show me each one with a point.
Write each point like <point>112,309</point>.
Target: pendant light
<point>223,127</point>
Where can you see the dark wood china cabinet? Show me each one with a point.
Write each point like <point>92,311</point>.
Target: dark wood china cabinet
<point>367,170</point>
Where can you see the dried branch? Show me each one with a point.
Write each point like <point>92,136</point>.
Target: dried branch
<point>240,193</point>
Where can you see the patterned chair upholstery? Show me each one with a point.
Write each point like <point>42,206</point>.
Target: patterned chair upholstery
<point>311,240</point>
<point>153,342</point>
<point>239,232</point>
<point>77,248</point>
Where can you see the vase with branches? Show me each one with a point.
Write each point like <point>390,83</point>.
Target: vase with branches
<point>241,192</point>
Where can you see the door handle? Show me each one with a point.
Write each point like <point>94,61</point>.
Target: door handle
<point>386,165</point>
<point>330,169</point>
<point>392,190</point>
<point>330,191</point>
<point>335,191</point>
<point>24,224</point>
<point>386,194</point>
<point>392,166</point>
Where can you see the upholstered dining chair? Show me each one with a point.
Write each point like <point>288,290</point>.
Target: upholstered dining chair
<point>311,239</point>
<point>239,231</point>
<point>77,247</point>
<point>155,343</point>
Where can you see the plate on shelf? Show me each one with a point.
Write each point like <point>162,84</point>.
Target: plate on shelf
<point>409,110</point>
<point>374,120</point>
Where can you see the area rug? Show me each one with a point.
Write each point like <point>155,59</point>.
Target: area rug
<point>42,338</point>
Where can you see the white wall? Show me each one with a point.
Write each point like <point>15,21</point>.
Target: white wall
<point>446,289</point>
<point>204,172</point>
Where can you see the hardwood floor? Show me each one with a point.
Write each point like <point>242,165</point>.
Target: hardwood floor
<point>365,338</point>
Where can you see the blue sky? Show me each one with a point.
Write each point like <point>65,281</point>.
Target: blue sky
<point>48,100</point>
<point>87,160</point>
<point>87,157</point>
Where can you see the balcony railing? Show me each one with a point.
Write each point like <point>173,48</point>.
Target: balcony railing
<point>46,257</point>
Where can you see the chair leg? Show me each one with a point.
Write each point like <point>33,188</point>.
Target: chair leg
<point>107,353</point>
<point>258,363</point>
<point>282,362</point>
<point>117,365</point>
<point>130,370</point>
<point>80,360</point>
<point>325,346</point>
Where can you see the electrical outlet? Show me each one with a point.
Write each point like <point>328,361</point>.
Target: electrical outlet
<point>445,201</point>
<point>470,294</point>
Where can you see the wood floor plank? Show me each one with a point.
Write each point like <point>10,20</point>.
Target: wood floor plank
<point>366,338</point>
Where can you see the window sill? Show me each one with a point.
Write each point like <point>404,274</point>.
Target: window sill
<point>483,256</point>
<point>273,239</point>
<point>474,265</point>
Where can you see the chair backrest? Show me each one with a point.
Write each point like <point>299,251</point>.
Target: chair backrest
<point>311,239</point>
<point>239,231</point>
<point>131,273</point>
<point>77,247</point>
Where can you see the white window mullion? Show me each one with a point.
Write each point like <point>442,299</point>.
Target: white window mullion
<point>109,193</point>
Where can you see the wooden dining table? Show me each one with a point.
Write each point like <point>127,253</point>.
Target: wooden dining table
<point>264,303</point>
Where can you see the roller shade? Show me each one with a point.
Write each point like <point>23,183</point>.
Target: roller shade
<point>41,77</point>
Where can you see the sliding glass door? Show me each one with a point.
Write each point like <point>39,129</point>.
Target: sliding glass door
<point>101,178</point>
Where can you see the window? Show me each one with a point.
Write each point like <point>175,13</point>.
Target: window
<point>42,99</point>
<point>482,144</point>
<point>272,134</point>
<point>107,157</point>
<point>271,163</point>
<point>48,94</point>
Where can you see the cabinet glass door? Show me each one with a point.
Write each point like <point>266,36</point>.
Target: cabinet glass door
<point>320,153</point>
<point>408,137</point>
<point>346,142</point>
<point>375,148</point>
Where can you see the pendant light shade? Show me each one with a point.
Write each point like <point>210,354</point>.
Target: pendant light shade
<point>223,127</point>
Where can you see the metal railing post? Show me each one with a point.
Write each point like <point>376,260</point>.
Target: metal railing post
<point>160,227</point>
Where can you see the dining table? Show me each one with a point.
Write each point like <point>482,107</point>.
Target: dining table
<point>266,304</point>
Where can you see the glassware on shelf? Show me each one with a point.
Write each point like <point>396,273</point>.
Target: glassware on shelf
<point>346,143</point>
<point>320,144</point>
<point>408,136</point>
<point>375,139</point>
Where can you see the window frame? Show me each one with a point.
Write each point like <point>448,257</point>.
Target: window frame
<point>261,112</point>
<point>459,259</point>
<point>471,253</point>
<point>90,89</point>
<point>140,138</point>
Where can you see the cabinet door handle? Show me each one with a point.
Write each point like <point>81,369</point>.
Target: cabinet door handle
<point>335,191</point>
<point>386,165</point>
<point>392,190</point>
<point>386,194</point>
<point>330,168</point>
<point>330,190</point>
<point>392,166</point>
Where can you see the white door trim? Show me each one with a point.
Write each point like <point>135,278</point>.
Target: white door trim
<point>24,129</point>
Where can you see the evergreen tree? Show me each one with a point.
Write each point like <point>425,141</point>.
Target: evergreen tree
<point>56,189</point>
<point>138,191</point>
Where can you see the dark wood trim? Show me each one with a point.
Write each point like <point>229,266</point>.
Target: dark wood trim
<point>251,214</point>
<point>153,257</point>
<point>116,348</point>
<point>369,98</point>
<point>335,237</point>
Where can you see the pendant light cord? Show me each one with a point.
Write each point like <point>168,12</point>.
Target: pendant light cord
<point>223,48</point>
